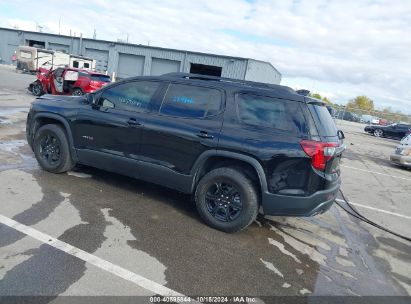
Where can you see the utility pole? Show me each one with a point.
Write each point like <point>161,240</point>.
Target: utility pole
<point>59,25</point>
<point>95,34</point>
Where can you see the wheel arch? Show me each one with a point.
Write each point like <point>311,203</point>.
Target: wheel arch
<point>41,119</point>
<point>210,160</point>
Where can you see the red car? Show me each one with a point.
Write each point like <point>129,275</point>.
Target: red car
<point>67,81</point>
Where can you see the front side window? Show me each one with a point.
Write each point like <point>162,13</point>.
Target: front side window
<point>191,101</point>
<point>131,96</point>
<point>270,112</point>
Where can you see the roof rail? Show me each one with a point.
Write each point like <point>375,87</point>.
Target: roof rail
<point>221,79</point>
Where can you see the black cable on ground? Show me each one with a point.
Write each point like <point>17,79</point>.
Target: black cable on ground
<point>354,212</point>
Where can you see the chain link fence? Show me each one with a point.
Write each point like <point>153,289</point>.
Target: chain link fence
<point>367,116</point>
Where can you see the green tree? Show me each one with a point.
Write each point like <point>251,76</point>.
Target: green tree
<point>361,102</point>
<point>326,100</point>
<point>318,96</point>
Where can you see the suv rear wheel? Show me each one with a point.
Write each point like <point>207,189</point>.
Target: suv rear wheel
<point>52,149</point>
<point>77,92</point>
<point>226,200</point>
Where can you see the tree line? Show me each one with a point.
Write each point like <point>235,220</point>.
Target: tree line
<point>363,104</point>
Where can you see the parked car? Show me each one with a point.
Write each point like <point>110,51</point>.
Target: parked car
<point>402,154</point>
<point>369,119</point>
<point>346,115</point>
<point>233,145</point>
<point>383,122</point>
<point>67,81</point>
<point>393,130</point>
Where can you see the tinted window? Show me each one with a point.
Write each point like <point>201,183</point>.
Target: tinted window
<point>130,96</point>
<point>86,65</point>
<point>191,101</point>
<point>98,77</point>
<point>75,64</point>
<point>271,112</point>
<point>323,119</point>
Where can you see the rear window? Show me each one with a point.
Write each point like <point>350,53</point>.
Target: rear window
<point>271,112</point>
<point>102,78</point>
<point>323,120</point>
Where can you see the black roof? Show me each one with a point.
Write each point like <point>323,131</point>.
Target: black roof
<point>276,90</point>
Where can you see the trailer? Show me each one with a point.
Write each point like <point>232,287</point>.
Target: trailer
<point>30,59</point>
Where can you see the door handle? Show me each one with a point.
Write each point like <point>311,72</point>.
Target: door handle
<point>133,122</point>
<point>204,134</point>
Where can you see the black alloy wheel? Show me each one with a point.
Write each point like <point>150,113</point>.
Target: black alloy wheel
<point>223,201</point>
<point>50,149</point>
<point>227,199</point>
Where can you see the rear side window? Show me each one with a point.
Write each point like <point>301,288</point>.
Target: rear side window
<point>323,119</point>
<point>271,112</point>
<point>98,77</point>
<point>191,101</point>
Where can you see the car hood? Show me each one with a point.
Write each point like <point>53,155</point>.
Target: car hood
<point>66,98</point>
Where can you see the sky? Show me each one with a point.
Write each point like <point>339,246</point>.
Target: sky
<point>340,49</point>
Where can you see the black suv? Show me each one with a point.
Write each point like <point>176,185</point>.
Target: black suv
<point>234,145</point>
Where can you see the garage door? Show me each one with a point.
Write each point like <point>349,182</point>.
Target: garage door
<point>163,66</point>
<point>101,58</point>
<point>130,65</point>
<point>60,47</point>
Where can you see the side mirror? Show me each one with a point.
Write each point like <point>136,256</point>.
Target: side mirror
<point>340,134</point>
<point>92,100</point>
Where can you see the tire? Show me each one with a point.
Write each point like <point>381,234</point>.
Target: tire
<point>213,204</point>
<point>51,149</point>
<point>77,92</point>
<point>378,133</point>
<point>37,89</point>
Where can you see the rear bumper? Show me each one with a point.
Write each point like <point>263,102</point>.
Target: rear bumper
<point>401,160</point>
<point>319,202</point>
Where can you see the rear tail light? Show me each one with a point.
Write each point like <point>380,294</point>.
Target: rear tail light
<point>320,152</point>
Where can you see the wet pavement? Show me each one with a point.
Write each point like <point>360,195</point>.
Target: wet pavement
<point>156,233</point>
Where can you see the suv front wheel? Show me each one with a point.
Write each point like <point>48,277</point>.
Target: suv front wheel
<point>226,199</point>
<point>51,149</point>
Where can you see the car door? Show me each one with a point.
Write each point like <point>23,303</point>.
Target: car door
<point>187,123</point>
<point>56,84</point>
<point>111,128</point>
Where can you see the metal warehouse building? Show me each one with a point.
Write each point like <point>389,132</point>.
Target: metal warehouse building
<point>127,60</point>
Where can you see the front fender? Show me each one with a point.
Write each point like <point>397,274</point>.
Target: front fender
<point>33,126</point>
